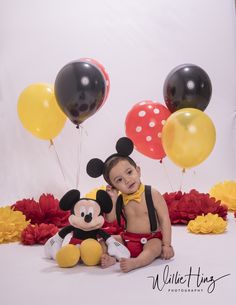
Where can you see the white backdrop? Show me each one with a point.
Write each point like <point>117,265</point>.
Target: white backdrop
<point>138,42</point>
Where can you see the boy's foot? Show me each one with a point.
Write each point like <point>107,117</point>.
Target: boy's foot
<point>107,260</point>
<point>128,264</point>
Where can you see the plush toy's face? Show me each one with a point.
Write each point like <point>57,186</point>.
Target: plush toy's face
<point>86,215</point>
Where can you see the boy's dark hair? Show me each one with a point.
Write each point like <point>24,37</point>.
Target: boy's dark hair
<point>97,167</point>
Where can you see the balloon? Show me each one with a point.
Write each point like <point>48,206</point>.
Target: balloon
<point>144,123</point>
<point>105,75</point>
<point>80,89</point>
<point>188,137</point>
<point>187,86</point>
<point>39,112</point>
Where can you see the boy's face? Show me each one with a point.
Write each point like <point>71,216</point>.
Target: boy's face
<point>125,177</point>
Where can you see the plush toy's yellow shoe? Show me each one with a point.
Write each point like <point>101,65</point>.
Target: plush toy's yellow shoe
<point>68,256</point>
<point>91,252</point>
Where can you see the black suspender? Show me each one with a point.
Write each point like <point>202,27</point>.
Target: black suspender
<point>150,208</point>
<point>119,210</point>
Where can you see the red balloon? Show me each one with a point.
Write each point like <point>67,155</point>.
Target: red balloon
<point>105,75</point>
<point>144,123</point>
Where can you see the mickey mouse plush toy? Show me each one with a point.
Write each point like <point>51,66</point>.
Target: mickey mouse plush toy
<point>86,221</point>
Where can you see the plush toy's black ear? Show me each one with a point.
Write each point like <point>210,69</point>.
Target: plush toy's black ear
<point>124,146</point>
<point>104,201</point>
<point>69,200</point>
<point>95,168</point>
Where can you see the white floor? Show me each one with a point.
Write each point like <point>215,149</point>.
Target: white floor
<point>26,277</point>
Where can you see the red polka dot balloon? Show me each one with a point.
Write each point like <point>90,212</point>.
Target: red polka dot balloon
<point>144,123</point>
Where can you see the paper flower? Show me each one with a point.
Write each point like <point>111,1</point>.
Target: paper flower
<point>38,234</point>
<point>184,207</point>
<point>12,224</point>
<point>52,212</point>
<point>226,192</point>
<point>30,208</point>
<point>47,210</point>
<point>210,223</point>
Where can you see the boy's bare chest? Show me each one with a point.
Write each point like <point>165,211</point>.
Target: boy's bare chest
<point>136,209</point>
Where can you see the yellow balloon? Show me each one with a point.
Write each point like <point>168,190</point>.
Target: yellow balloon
<point>188,137</point>
<point>91,252</point>
<point>39,112</point>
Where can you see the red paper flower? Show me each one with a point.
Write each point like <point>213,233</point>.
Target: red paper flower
<point>30,208</point>
<point>184,207</point>
<point>38,234</point>
<point>47,210</point>
<point>52,212</point>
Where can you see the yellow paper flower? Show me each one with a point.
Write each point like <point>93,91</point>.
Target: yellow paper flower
<point>226,192</point>
<point>219,226</point>
<point>210,223</point>
<point>194,226</point>
<point>92,194</point>
<point>12,223</point>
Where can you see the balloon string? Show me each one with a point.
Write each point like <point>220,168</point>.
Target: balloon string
<point>182,179</point>
<point>79,154</point>
<point>59,162</point>
<point>167,174</point>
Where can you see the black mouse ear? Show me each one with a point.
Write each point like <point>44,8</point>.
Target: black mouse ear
<point>124,146</point>
<point>95,168</point>
<point>104,201</point>
<point>69,200</point>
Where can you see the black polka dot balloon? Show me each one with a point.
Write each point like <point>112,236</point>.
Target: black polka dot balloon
<point>80,90</point>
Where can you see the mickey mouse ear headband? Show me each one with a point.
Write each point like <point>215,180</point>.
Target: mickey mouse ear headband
<point>95,167</point>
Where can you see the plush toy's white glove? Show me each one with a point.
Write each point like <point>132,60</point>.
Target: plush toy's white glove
<point>116,249</point>
<point>52,245</point>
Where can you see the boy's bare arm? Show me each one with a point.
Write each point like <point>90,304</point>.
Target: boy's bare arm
<point>163,216</point>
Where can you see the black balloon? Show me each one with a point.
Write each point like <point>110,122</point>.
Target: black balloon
<point>80,90</point>
<point>187,86</point>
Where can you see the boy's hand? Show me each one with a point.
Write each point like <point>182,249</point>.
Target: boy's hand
<point>112,192</point>
<point>167,252</point>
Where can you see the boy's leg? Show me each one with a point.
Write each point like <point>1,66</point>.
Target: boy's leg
<point>151,250</point>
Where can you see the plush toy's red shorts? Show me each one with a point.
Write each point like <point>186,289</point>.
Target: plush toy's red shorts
<point>135,242</point>
<point>113,228</point>
<point>75,241</point>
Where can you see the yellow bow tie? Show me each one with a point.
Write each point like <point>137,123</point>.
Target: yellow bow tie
<point>134,196</point>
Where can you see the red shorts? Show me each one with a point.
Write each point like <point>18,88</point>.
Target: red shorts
<point>135,242</point>
<point>75,241</point>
